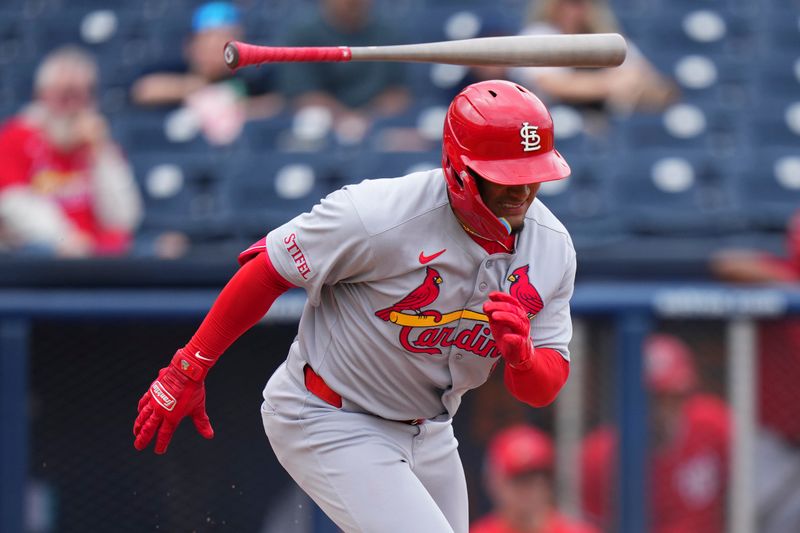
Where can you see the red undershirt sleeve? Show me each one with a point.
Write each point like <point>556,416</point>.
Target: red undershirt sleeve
<point>242,303</point>
<point>539,384</point>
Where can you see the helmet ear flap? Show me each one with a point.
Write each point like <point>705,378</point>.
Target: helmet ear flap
<point>448,168</point>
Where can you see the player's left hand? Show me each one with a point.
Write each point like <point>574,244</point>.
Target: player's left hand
<point>511,328</point>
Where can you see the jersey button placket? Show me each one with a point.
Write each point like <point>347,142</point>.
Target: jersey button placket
<point>483,286</point>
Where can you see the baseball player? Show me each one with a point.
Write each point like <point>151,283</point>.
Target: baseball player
<point>520,463</point>
<point>690,434</point>
<point>417,286</point>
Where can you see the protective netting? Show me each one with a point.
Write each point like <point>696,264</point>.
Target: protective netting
<point>689,429</point>
<point>86,381</point>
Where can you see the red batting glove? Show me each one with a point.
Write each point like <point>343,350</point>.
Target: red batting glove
<point>178,391</point>
<point>511,329</point>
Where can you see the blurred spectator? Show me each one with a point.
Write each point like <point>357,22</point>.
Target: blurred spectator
<point>65,187</point>
<point>221,99</point>
<point>353,92</point>
<point>519,479</point>
<point>635,85</point>
<point>689,439</point>
<point>778,453</point>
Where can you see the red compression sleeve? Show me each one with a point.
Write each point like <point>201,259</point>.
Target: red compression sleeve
<point>539,384</point>
<point>242,303</point>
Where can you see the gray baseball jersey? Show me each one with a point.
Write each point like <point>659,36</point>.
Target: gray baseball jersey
<point>394,320</point>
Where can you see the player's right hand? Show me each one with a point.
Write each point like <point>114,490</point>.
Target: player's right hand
<point>172,396</point>
<point>511,328</point>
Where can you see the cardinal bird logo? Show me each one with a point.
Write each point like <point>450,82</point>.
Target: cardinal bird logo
<point>524,291</point>
<point>423,295</point>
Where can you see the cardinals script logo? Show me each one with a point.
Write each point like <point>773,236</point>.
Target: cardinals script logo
<point>427,331</point>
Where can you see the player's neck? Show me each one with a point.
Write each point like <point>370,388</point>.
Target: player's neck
<point>491,246</point>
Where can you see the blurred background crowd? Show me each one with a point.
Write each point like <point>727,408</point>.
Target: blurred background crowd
<point>130,156</point>
<point>147,145</point>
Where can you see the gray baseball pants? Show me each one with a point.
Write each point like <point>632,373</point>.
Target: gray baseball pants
<point>368,474</point>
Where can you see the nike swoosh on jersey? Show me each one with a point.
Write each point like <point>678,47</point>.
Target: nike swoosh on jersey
<point>428,258</point>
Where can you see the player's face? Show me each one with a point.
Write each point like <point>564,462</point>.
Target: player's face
<point>665,418</point>
<point>508,201</point>
<point>204,51</point>
<point>523,496</point>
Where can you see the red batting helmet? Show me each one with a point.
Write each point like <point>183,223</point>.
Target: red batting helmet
<point>520,449</point>
<point>668,365</point>
<point>503,133</point>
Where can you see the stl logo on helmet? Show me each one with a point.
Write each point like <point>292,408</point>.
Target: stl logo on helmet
<point>531,141</point>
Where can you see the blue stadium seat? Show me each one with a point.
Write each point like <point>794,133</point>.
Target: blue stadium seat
<point>435,22</point>
<point>122,42</point>
<point>733,6</point>
<point>699,32</point>
<point>768,186</point>
<point>15,89</point>
<point>182,192</point>
<point>781,31</point>
<point>265,22</point>
<point>668,192</point>
<point>571,138</point>
<point>624,9</point>
<point>667,130</point>
<point>426,23</point>
<point>423,88</point>
<point>370,165</point>
<point>419,128</point>
<point>267,190</point>
<point>777,77</point>
<point>53,30</point>
<point>584,202</point>
<point>578,146</point>
<point>17,42</point>
<point>147,131</point>
<point>266,135</point>
<point>707,79</point>
<point>633,19</point>
<point>768,126</point>
<point>171,31</point>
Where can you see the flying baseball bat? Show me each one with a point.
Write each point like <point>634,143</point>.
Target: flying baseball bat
<point>577,50</point>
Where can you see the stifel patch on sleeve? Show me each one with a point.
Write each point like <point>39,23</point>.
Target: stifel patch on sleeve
<point>298,256</point>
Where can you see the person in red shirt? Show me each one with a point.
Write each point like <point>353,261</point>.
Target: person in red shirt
<point>65,187</point>
<point>778,447</point>
<point>519,478</point>
<point>689,449</point>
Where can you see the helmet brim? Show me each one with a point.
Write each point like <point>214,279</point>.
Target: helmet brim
<point>549,166</point>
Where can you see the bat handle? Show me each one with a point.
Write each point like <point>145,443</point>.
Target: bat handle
<point>238,54</point>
